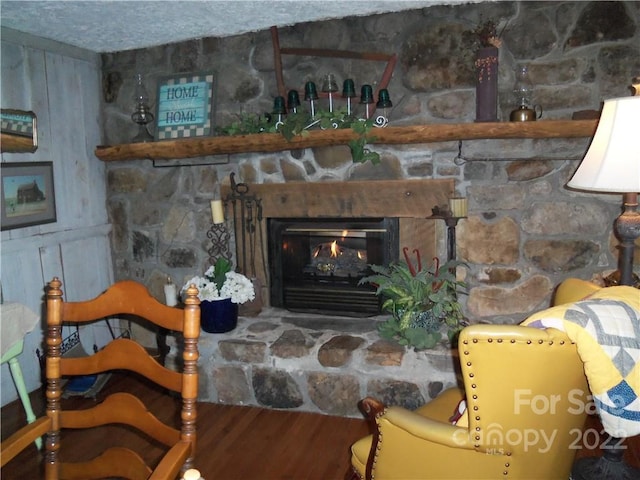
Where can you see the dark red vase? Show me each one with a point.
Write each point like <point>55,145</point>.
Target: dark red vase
<point>487,85</point>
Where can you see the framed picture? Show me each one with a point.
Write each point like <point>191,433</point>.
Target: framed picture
<point>18,131</point>
<point>185,106</point>
<point>27,194</point>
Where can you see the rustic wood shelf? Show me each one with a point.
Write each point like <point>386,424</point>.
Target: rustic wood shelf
<point>274,142</point>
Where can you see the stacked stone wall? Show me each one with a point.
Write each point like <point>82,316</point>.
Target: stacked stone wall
<point>317,364</point>
<point>525,231</point>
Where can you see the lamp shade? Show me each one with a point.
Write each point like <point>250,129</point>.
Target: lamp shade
<point>612,163</point>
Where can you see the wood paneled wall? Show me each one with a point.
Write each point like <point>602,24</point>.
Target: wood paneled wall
<point>61,84</point>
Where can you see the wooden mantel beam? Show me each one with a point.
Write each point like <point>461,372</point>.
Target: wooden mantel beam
<point>274,142</point>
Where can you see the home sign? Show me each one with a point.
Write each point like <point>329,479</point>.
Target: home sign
<point>185,106</point>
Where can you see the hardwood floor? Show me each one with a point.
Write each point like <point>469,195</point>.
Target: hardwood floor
<point>234,442</point>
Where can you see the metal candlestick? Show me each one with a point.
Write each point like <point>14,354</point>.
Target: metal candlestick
<point>219,236</point>
<point>443,213</point>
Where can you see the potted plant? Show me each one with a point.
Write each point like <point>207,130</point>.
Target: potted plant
<point>220,291</point>
<point>422,302</point>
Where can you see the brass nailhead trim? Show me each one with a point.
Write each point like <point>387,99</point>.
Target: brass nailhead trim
<point>473,385</point>
<point>468,364</point>
<point>490,340</point>
<point>499,340</point>
<point>513,340</point>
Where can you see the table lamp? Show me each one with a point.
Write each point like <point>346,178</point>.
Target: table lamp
<point>612,165</point>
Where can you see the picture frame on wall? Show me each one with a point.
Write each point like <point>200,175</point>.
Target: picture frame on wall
<point>27,194</point>
<point>184,106</point>
<point>18,131</point>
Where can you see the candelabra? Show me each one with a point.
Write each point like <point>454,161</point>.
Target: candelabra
<point>334,119</point>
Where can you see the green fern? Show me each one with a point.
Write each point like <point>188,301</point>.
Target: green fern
<point>299,123</point>
<point>407,295</point>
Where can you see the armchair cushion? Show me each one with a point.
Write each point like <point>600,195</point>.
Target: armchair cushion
<point>606,329</point>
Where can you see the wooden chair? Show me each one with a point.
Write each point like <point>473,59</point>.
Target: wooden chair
<point>131,299</point>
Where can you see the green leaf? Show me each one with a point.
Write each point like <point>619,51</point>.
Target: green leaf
<point>220,269</point>
<point>299,123</point>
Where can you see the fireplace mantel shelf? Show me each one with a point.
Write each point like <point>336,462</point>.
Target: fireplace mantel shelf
<point>402,135</point>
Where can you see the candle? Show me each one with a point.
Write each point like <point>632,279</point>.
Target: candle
<point>170,293</point>
<point>192,474</point>
<point>458,207</point>
<point>216,211</point>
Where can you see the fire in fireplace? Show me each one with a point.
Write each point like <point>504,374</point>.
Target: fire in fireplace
<point>317,263</point>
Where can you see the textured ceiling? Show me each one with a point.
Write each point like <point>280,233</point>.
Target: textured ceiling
<point>115,25</point>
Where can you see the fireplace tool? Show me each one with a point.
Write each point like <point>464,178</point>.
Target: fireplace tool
<point>247,217</point>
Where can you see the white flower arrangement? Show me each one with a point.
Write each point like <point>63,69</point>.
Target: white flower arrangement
<point>220,282</point>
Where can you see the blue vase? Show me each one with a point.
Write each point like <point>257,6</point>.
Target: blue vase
<point>218,316</point>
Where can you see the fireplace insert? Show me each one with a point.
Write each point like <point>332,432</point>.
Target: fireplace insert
<point>316,263</point>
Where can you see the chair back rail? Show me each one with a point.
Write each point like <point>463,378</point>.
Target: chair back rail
<point>115,462</point>
<point>121,408</point>
<point>123,354</point>
<point>126,297</point>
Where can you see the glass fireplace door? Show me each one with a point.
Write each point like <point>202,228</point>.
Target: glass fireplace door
<point>317,264</point>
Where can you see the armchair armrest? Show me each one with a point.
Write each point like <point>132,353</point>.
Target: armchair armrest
<point>414,424</point>
<point>170,465</point>
<point>17,442</point>
<point>425,428</point>
<point>428,429</point>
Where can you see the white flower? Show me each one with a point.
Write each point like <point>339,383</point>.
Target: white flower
<point>236,286</point>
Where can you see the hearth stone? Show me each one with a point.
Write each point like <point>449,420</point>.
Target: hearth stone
<point>314,363</point>
<point>338,351</point>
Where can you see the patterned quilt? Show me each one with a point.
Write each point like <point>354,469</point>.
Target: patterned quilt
<point>606,329</point>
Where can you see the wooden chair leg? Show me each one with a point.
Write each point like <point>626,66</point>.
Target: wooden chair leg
<point>18,379</point>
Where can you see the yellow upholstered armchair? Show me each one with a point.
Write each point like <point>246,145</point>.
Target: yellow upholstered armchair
<point>526,400</point>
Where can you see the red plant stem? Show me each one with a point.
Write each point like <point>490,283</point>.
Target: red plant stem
<point>405,251</point>
<point>417,252</point>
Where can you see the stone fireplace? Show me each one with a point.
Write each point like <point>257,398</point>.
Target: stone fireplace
<point>400,206</point>
<point>324,363</point>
